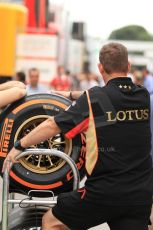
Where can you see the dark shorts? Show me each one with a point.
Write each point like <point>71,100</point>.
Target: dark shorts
<point>79,214</point>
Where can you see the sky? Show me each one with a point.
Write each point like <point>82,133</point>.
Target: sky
<point>104,16</point>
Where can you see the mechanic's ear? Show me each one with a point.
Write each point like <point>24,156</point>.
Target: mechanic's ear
<point>101,69</point>
<point>129,66</point>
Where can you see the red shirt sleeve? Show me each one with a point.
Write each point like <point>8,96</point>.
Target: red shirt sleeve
<point>75,119</point>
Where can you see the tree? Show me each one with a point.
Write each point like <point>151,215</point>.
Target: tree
<point>131,32</point>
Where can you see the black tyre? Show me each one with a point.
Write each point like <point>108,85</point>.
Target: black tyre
<point>39,172</point>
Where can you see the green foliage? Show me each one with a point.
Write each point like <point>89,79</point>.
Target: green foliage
<point>131,32</point>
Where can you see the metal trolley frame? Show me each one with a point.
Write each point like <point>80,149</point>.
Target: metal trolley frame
<point>6,198</point>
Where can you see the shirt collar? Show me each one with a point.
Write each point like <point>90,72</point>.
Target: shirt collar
<point>123,80</point>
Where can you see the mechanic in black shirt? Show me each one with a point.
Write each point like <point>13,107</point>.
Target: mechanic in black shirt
<point>115,119</point>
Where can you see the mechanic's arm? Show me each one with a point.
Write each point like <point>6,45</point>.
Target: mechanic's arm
<point>45,130</point>
<point>12,84</point>
<point>11,91</point>
<point>8,96</point>
<point>42,132</point>
<point>72,95</point>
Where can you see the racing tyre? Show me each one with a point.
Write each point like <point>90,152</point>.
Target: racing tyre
<point>39,172</point>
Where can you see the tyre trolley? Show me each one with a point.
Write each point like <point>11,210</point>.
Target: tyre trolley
<point>8,199</point>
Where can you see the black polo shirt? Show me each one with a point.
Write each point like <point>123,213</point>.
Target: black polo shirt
<point>115,119</point>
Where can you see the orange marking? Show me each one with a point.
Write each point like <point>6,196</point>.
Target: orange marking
<point>38,101</point>
<point>83,151</point>
<point>83,138</point>
<point>30,185</point>
<point>2,154</point>
<point>3,131</point>
<point>83,191</point>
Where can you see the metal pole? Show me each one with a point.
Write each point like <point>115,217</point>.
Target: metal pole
<point>35,202</point>
<point>5,199</point>
<point>12,197</point>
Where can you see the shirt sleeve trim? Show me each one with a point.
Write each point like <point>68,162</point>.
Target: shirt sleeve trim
<point>81,127</point>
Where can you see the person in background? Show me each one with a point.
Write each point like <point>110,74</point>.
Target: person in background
<point>62,81</point>
<point>75,82</point>
<point>10,92</point>
<point>138,77</point>
<point>20,76</point>
<point>88,82</point>
<point>34,87</point>
<point>93,80</point>
<point>148,80</point>
<point>69,79</point>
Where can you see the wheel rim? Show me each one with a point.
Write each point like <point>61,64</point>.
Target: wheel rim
<point>43,164</point>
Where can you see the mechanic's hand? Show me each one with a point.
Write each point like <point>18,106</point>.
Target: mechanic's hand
<point>62,93</point>
<point>10,159</point>
<point>19,84</point>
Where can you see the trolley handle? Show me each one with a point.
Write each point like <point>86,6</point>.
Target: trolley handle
<point>52,195</point>
<point>50,152</point>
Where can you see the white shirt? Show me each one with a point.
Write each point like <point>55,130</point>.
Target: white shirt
<point>36,90</point>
